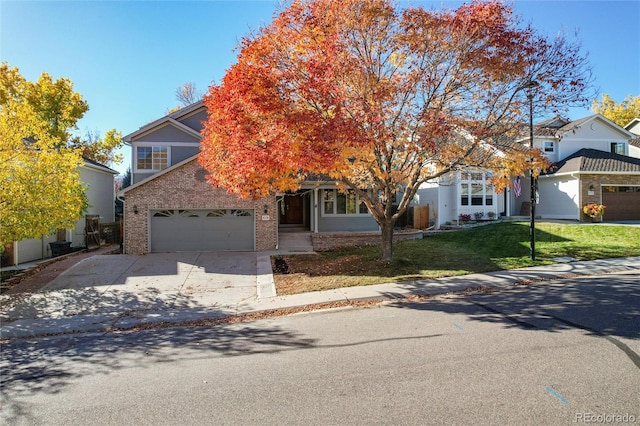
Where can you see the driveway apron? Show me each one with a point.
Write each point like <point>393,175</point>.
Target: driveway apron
<point>111,285</point>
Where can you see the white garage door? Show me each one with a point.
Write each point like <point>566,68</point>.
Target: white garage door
<point>202,230</point>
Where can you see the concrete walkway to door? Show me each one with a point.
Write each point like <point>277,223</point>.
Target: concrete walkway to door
<point>119,290</point>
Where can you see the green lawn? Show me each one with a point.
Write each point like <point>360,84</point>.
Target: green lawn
<point>497,246</point>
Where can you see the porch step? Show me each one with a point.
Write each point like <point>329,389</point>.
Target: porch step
<point>295,242</point>
<point>293,229</point>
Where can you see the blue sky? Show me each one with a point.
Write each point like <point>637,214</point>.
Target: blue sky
<point>127,58</point>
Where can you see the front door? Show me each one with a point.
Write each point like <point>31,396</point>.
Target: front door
<point>291,211</point>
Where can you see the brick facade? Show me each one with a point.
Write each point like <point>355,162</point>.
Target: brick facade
<point>596,182</point>
<point>184,188</point>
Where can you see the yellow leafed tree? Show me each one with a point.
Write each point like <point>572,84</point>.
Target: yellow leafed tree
<point>41,187</point>
<point>620,113</point>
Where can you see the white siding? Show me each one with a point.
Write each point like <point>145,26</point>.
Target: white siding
<point>559,198</point>
<point>101,196</point>
<point>552,156</point>
<point>594,134</point>
<point>500,203</point>
<point>448,204</point>
<point>427,195</point>
<point>33,249</point>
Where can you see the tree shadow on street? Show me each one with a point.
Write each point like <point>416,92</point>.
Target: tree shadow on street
<point>596,304</point>
<point>48,365</point>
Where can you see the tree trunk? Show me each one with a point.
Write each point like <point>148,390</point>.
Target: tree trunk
<point>387,241</point>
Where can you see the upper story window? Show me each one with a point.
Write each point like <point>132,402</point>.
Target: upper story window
<point>152,158</point>
<point>617,148</point>
<point>549,147</point>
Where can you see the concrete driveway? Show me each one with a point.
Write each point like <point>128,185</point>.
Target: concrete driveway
<point>111,288</point>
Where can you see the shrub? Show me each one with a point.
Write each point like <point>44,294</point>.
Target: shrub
<point>478,215</point>
<point>594,210</point>
<point>491,215</point>
<point>464,217</point>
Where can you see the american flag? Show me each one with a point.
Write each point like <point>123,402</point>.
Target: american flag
<point>517,189</point>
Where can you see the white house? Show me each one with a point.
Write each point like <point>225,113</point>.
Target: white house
<point>594,160</point>
<point>634,145</point>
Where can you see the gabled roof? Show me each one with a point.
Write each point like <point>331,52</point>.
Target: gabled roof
<point>557,126</point>
<point>157,175</point>
<point>171,119</point>
<point>548,128</point>
<point>554,123</point>
<point>596,161</point>
<point>95,165</point>
<point>576,124</point>
<point>632,122</point>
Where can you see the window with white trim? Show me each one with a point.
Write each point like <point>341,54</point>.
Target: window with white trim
<point>549,147</point>
<point>340,203</point>
<point>475,189</point>
<point>617,148</point>
<point>152,158</point>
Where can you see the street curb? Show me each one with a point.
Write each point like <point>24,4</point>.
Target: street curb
<point>342,297</point>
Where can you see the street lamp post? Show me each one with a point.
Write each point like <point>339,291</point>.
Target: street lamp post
<point>532,203</point>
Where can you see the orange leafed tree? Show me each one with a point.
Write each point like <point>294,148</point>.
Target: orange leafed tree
<point>382,100</point>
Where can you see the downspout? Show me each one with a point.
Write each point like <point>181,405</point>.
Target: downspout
<point>122,198</point>
<point>124,225</point>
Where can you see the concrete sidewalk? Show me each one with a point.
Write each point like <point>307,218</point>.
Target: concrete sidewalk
<point>120,291</point>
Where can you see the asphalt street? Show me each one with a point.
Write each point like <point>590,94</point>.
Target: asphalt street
<point>556,352</point>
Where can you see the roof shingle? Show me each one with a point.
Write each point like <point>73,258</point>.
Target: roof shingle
<point>594,161</point>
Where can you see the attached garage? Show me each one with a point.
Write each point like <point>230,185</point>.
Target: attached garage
<point>174,230</point>
<point>178,210</point>
<point>622,202</point>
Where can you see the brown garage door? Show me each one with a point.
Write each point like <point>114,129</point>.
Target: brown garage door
<point>623,202</point>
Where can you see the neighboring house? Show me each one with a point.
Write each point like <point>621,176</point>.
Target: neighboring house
<point>100,192</point>
<point>634,126</point>
<point>462,193</point>
<point>171,207</point>
<point>594,162</point>
<point>634,145</point>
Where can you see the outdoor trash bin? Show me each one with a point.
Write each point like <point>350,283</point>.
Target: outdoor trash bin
<point>58,248</point>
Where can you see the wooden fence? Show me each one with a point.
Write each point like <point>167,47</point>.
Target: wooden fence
<point>415,217</point>
<point>111,232</point>
<point>421,217</point>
